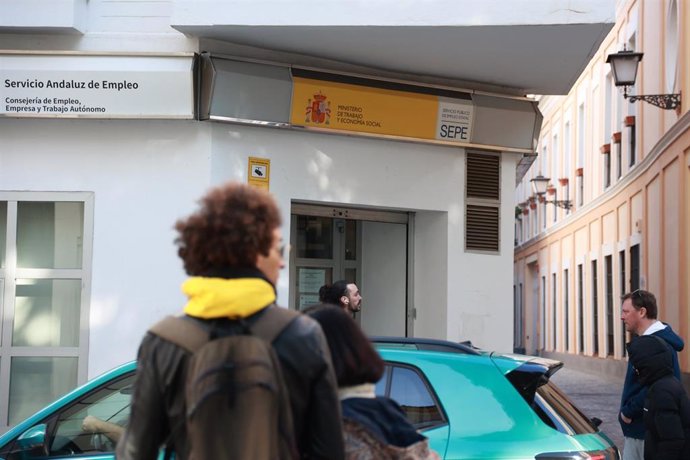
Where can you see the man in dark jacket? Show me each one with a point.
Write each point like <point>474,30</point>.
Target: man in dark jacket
<point>666,405</point>
<point>639,314</point>
<point>232,249</point>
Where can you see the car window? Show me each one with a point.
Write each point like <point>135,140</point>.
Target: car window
<point>89,426</point>
<point>382,384</point>
<point>409,389</point>
<point>94,423</point>
<point>556,410</point>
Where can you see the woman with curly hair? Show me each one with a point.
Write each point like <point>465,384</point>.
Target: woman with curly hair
<point>233,251</point>
<point>374,427</point>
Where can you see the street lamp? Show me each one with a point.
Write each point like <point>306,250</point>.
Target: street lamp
<point>539,185</point>
<point>624,66</point>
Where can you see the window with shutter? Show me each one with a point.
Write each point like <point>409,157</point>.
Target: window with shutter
<point>482,204</point>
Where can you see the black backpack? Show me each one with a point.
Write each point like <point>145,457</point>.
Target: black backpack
<point>237,403</point>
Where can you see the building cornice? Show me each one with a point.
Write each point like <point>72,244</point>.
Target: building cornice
<point>669,137</point>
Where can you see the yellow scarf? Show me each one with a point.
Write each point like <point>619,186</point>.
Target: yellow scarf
<point>226,298</point>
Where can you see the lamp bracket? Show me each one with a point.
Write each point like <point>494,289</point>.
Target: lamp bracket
<point>565,204</point>
<point>664,101</point>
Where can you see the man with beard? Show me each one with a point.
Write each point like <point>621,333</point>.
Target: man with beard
<point>344,294</point>
<point>639,314</point>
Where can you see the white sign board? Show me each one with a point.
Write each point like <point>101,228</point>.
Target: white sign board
<point>311,279</point>
<point>306,300</point>
<point>71,86</point>
<point>454,120</point>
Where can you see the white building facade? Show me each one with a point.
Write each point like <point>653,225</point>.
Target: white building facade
<point>114,122</point>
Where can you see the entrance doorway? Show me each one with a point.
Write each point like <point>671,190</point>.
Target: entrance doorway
<point>365,247</point>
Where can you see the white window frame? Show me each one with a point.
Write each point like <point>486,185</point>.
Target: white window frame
<point>567,146</point>
<point>581,133</point>
<point>609,91</point>
<point>10,273</point>
<point>631,44</point>
<point>672,46</point>
<point>555,152</point>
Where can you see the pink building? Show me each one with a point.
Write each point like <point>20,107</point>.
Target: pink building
<point>624,169</point>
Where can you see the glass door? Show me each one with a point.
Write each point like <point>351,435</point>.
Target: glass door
<point>325,249</point>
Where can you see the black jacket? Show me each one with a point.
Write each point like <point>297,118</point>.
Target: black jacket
<point>158,406</point>
<point>634,392</point>
<point>666,406</point>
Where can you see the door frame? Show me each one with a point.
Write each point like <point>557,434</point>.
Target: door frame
<point>301,208</point>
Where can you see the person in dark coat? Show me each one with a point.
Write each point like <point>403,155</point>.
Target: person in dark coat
<point>666,405</point>
<point>232,249</point>
<point>639,314</point>
<point>374,427</point>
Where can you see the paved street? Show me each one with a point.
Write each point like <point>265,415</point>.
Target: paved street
<point>596,396</point>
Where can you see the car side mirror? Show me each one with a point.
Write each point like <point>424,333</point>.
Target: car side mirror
<point>32,438</point>
<point>596,422</point>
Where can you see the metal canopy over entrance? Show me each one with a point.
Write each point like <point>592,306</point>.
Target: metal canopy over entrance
<point>236,90</point>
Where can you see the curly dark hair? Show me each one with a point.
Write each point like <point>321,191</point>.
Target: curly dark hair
<point>234,224</point>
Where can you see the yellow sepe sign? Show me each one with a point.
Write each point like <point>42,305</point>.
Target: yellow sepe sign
<point>331,105</point>
<point>259,172</point>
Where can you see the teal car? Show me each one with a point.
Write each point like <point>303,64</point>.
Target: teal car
<point>471,405</point>
<point>479,405</point>
<point>56,430</point>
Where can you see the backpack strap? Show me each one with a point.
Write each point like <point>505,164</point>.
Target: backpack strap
<point>182,332</point>
<point>185,334</point>
<point>272,322</point>
<point>192,336</point>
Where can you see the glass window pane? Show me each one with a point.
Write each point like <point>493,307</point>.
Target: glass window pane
<point>308,282</point>
<point>35,382</point>
<point>566,417</point>
<point>351,275</point>
<point>49,235</point>
<point>408,389</point>
<point>108,413</point>
<point>314,237</point>
<point>47,313</point>
<point>3,231</point>
<point>350,240</point>
<point>383,382</point>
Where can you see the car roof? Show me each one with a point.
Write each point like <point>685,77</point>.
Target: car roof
<point>423,344</point>
<point>506,362</point>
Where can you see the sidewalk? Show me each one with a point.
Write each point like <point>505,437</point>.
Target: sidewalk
<point>596,397</point>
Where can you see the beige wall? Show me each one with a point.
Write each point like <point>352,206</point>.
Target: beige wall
<point>684,297</point>
<point>652,211</point>
<point>652,236</point>
<point>671,238</point>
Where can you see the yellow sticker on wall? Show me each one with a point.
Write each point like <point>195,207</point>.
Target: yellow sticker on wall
<point>259,172</point>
